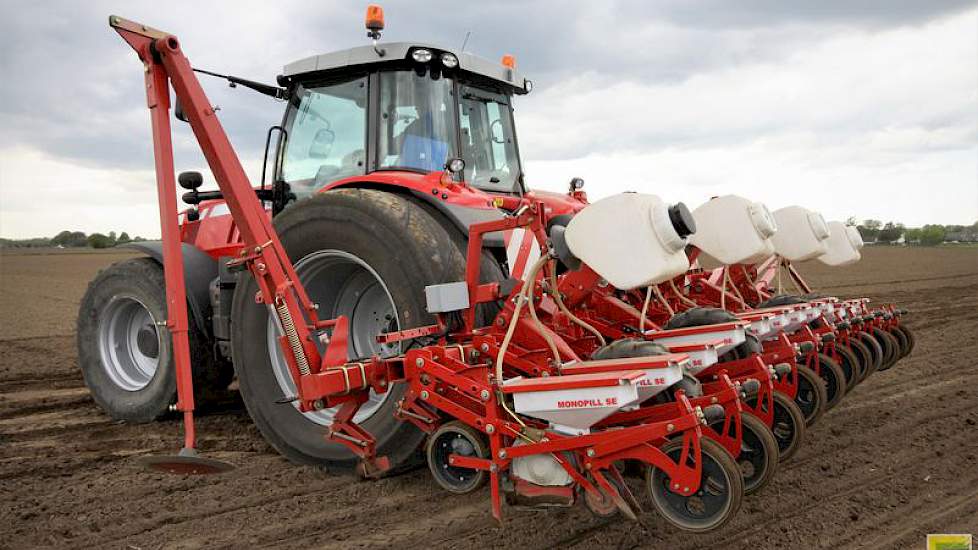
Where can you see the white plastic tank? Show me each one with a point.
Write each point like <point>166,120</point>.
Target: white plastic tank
<point>632,240</point>
<point>801,234</point>
<point>842,249</point>
<point>734,230</point>
<point>854,237</point>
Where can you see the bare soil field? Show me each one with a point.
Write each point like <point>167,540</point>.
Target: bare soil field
<point>897,459</point>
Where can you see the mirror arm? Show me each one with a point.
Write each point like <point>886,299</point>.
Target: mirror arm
<point>265,89</point>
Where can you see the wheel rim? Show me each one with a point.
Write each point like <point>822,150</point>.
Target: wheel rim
<point>847,370</point>
<point>341,284</point>
<point>807,398</point>
<point>752,459</point>
<point>833,385</point>
<point>129,343</point>
<point>447,443</point>
<point>705,507</point>
<point>783,429</point>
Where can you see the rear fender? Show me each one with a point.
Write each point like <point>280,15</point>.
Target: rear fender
<point>199,270</point>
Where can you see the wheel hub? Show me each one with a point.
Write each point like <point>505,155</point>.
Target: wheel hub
<point>129,343</point>
<point>341,284</point>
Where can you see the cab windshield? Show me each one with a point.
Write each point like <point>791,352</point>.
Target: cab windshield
<point>421,121</point>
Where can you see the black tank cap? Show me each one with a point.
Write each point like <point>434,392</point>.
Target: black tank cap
<point>682,220</point>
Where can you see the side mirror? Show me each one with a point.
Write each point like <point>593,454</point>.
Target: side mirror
<point>322,144</point>
<point>190,180</point>
<point>454,166</point>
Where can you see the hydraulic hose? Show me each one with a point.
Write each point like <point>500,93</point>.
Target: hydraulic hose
<point>563,308</point>
<point>645,309</point>
<point>684,299</point>
<point>536,320</point>
<point>501,354</point>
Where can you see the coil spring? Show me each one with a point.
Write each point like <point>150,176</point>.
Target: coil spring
<point>288,325</point>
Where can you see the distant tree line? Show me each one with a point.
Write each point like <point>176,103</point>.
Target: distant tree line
<point>73,239</point>
<point>875,231</point>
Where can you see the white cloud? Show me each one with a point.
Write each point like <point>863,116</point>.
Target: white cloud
<point>869,124</point>
<point>854,110</point>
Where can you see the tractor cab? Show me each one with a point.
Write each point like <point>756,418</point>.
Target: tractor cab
<point>399,107</point>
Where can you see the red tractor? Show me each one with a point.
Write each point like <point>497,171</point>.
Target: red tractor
<point>395,294</point>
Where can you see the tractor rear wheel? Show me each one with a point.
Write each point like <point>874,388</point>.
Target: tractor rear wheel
<point>365,254</point>
<point>125,354</point>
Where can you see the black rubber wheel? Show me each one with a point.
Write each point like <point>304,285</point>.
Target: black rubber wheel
<point>811,398</point>
<point>750,346</point>
<point>759,454</point>
<point>890,348</point>
<point>875,351</point>
<point>354,233</point>
<point>126,356</point>
<point>835,380</point>
<point>456,438</point>
<point>700,316</point>
<point>850,366</point>
<point>911,340</point>
<point>781,300</point>
<point>863,355</point>
<point>904,345</point>
<point>718,500</point>
<point>628,347</point>
<point>789,425</point>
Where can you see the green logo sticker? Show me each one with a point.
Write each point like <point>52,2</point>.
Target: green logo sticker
<point>949,542</point>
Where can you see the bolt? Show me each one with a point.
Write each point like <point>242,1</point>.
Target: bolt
<point>590,452</point>
<point>713,400</point>
<point>493,468</point>
<point>173,407</point>
<point>587,466</point>
<point>424,394</point>
<point>484,347</point>
<point>502,453</point>
<point>419,362</point>
<point>484,395</point>
<point>685,489</point>
<point>676,486</point>
<point>383,383</point>
<point>670,427</point>
<point>490,428</point>
<point>318,404</point>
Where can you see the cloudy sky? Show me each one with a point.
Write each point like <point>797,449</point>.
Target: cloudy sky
<point>853,108</point>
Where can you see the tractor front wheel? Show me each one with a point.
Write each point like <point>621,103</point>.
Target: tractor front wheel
<point>126,354</point>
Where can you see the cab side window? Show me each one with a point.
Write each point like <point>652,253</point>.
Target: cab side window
<point>327,128</point>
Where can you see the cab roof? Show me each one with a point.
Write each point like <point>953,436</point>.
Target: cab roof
<point>399,52</point>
